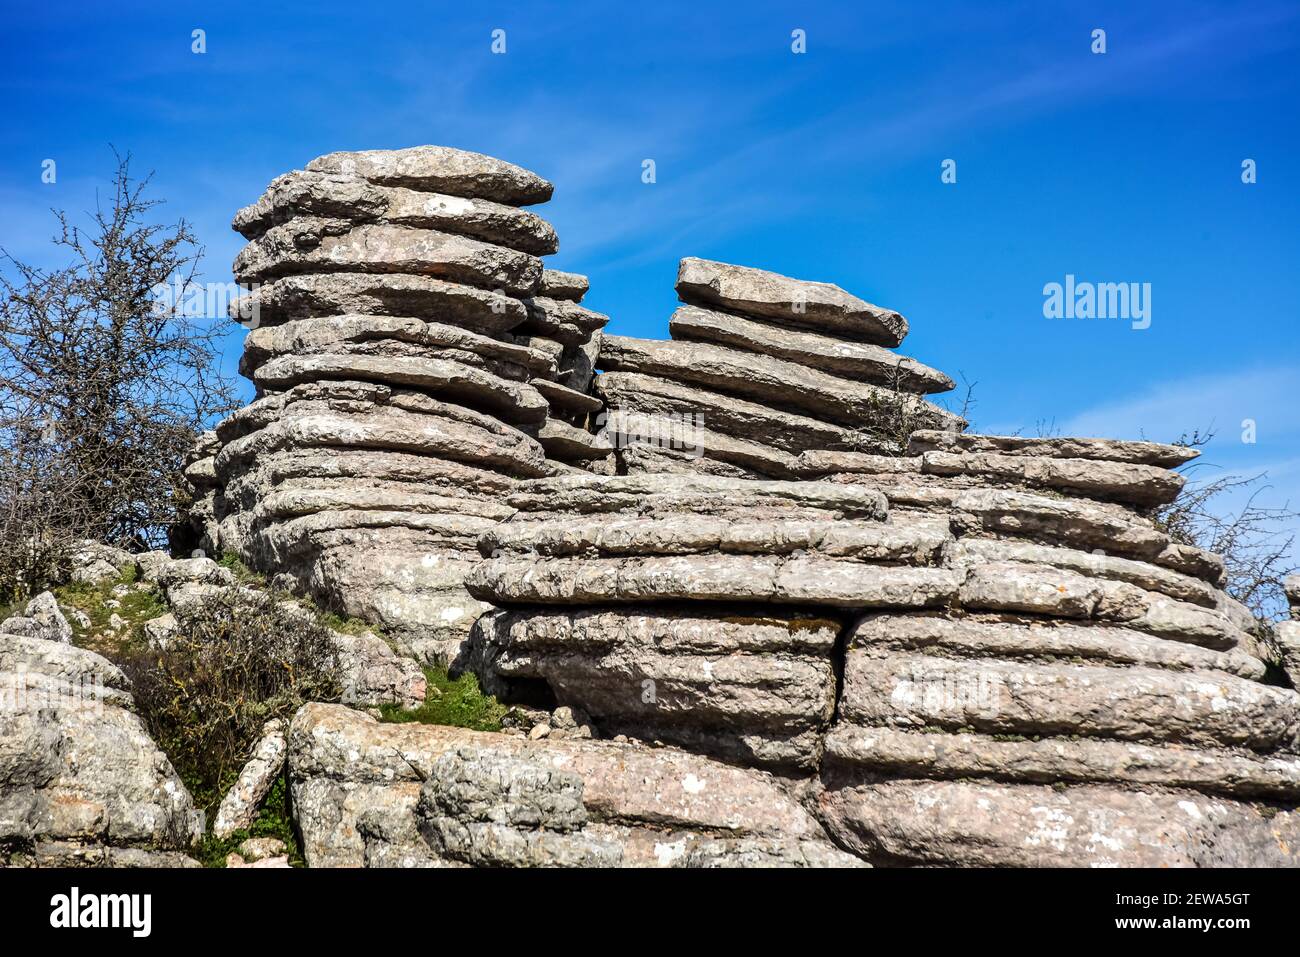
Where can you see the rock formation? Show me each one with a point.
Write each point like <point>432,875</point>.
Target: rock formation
<point>822,623</point>
<point>1032,672</point>
<point>760,368</point>
<point>412,359</point>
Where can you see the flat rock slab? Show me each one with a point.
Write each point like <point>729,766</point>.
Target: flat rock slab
<point>623,430</point>
<point>557,284</point>
<point>356,201</point>
<point>777,382</point>
<point>1137,703</point>
<point>1103,450</point>
<point>754,689</point>
<point>723,578</point>
<point>721,414</point>
<point>512,401</point>
<point>982,824</point>
<point>310,295</point>
<point>1127,482</point>
<point>1048,640</point>
<point>313,245</point>
<point>566,322</point>
<point>441,169</point>
<point>325,333</point>
<point>1054,760</point>
<point>859,361</point>
<point>697,494</point>
<point>794,302</point>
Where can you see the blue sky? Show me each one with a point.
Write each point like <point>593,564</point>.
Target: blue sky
<point>1121,167</point>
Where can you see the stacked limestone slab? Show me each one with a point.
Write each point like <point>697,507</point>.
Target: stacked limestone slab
<point>1030,672</point>
<point>698,610</point>
<point>760,368</point>
<point>570,334</point>
<point>405,381</point>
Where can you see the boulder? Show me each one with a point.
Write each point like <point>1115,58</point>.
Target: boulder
<point>794,302</point>
<point>441,169</point>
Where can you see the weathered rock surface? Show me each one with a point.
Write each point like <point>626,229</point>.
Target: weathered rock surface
<point>311,245</point>
<point>795,302</point>
<point>80,779</point>
<point>974,824</point>
<point>441,169</point>
<point>772,381</point>
<point>860,361</point>
<point>488,312</point>
<point>239,806</point>
<point>423,795</point>
<point>355,200</point>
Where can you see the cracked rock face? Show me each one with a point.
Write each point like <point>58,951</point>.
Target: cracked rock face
<point>428,796</point>
<point>80,779</point>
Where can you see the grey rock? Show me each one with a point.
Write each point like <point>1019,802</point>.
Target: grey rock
<point>796,302</point>
<point>775,381</point>
<point>441,169</point>
<point>1054,760</point>
<point>76,764</point>
<point>357,790</point>
<point>562,320</point>
<point>325,334</point>
<point>350,198</point>
<point>1021,697</point>
<point>758,689</point>
<point>1104,450</point>
<point>309,245</point>
<point>48,621</point>
<point>240,805</point>
<point>1108,481</point>
<point>488,312</point>
<point>981,824</point>
<point>512,401</point>
<point>1049,640</point>
<point>563,285</point>
<point>859,361</point>
<point>721,414</point>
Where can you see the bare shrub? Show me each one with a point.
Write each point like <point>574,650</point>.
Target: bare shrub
<point>237,660</point>
<point>1253,539</point>
<point>104,384</point>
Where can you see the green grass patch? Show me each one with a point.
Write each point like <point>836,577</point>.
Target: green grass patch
<point>135,607</point>
<point>457,702</point>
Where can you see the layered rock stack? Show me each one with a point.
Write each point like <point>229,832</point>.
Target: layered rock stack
<point>1030,671</point>
<point>561,328</point>
<point>408,349</point>
<point>760,368</point>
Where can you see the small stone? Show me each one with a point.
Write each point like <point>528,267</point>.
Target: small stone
<point>539,731</point>
<point>116,622</point>
<point>234,860</point>
<point>119,591</point>
<point>260,848</point>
